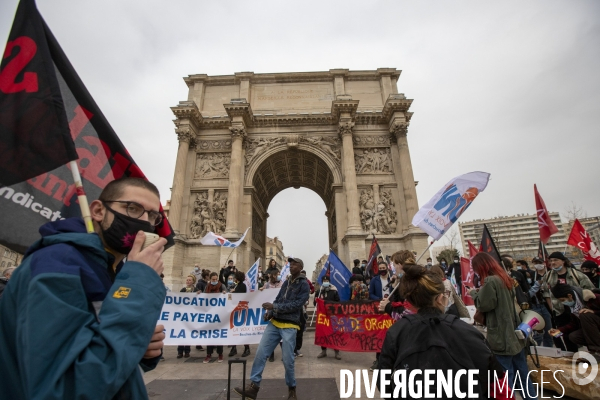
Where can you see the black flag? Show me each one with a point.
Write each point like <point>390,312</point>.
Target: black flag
<point>488,246</point>
<point>34,130</point>
<point>49,193</point>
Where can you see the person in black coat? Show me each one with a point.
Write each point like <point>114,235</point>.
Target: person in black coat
<point>240,287</point>
<point>431,337</point>
<point>455,267</point>
<point>356,270</point>
<point>226,271</point>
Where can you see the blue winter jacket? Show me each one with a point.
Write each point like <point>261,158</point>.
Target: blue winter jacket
<point>69,328</point>
<point>375,289</point>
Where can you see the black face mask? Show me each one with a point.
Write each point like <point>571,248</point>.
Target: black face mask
<point>383,273</point>
<point>121,233</point>
<point>590,274</point>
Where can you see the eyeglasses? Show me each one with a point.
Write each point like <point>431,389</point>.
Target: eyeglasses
<point>447,293</point>
<point>136,210</point>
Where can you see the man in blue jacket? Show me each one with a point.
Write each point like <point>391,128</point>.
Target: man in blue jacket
<point>78,322</point>
<point>379,287</point>
<point>286,311</point>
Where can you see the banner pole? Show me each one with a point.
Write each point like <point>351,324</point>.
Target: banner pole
<point>314,312</point>
<point>424,251</point>
<point>83,202</point>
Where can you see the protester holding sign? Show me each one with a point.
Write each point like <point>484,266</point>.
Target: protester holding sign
<point>240,287</point>
<point>214,286</point>
<point>93,315</point>
<point>327,292</point>
<point>190,287</point>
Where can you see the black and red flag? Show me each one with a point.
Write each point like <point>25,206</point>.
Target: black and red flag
<point>543,253</point>
<point>374,251</point>
<point>488,246</point>
<point>48,118</point>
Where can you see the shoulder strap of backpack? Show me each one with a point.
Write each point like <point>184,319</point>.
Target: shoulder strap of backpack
<point>574,272</point>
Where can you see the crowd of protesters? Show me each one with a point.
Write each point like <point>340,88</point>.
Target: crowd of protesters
<point>427,308</point>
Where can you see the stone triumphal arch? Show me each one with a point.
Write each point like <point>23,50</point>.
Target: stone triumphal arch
<point>243,138</point>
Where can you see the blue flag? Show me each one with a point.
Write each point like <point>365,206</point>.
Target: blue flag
<point>339,275</point>
<point>251,280</point>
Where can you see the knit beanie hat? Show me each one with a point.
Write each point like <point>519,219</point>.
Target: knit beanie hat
<point>558,255</point>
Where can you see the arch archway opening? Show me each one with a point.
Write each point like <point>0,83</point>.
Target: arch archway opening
<point>297,218</point>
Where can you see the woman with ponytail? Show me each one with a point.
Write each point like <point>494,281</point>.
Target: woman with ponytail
<point>431,339</point>
<point>496,299</point>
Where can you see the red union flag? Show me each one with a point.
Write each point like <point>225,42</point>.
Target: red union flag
<point>545,224</point>
<point>581,239</point>
<point>472,249</point>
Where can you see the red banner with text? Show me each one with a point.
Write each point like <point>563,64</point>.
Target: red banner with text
<point>354,326</point>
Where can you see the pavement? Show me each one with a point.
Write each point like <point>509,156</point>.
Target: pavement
<point>189,378</point>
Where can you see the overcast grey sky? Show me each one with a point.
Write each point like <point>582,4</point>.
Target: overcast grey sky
<point>507,87</point>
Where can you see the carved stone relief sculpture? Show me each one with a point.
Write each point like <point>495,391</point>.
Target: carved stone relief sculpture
<point>257,146</point>
<point>208,145</point>
<point>376,161</point>
<point>209,216</point>
<point>380,217</point>
<point>330,145</point>
<point>386,218</point>
<point>212,165</point>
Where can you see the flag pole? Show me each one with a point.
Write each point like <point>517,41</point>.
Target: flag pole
<point>424,251</point>
<point>83,201</point>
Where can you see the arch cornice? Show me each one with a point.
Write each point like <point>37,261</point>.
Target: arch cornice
<point>332,164</point>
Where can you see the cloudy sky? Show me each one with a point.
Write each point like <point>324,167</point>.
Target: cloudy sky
<point>509,87</point>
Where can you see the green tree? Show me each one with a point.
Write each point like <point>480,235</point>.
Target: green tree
<point>448,255</point>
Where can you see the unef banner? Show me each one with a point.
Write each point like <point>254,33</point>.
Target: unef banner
<point>449,203</point>
<point>215,319</point>
<point>351,325</point>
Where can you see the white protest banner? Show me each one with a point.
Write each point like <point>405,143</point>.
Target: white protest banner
<point>215,319</point>
<point>449,203</point>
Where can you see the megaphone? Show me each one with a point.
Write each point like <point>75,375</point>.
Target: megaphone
<point>527,317</point>
<point>530,320</point>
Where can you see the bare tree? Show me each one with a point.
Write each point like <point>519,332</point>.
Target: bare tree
<point>571,213</point>
<point>574,211</point>
<point>452,240</point>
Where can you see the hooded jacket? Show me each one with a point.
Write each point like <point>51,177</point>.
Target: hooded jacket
<point>73,328</point>
<point>289,303</point>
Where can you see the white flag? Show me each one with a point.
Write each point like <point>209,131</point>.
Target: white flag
<point>448,204</point>
<point>251,280</point>
<point>285,271</point>
<point>212,239</point>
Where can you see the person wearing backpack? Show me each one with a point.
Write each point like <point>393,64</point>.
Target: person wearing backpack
<point>431,339</point>
<point>496,299</point>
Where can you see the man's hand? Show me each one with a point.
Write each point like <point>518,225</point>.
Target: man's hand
<point>151,255</point>
<point>156,343</point>
<point>267,306</point>
<point>585,311</point>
